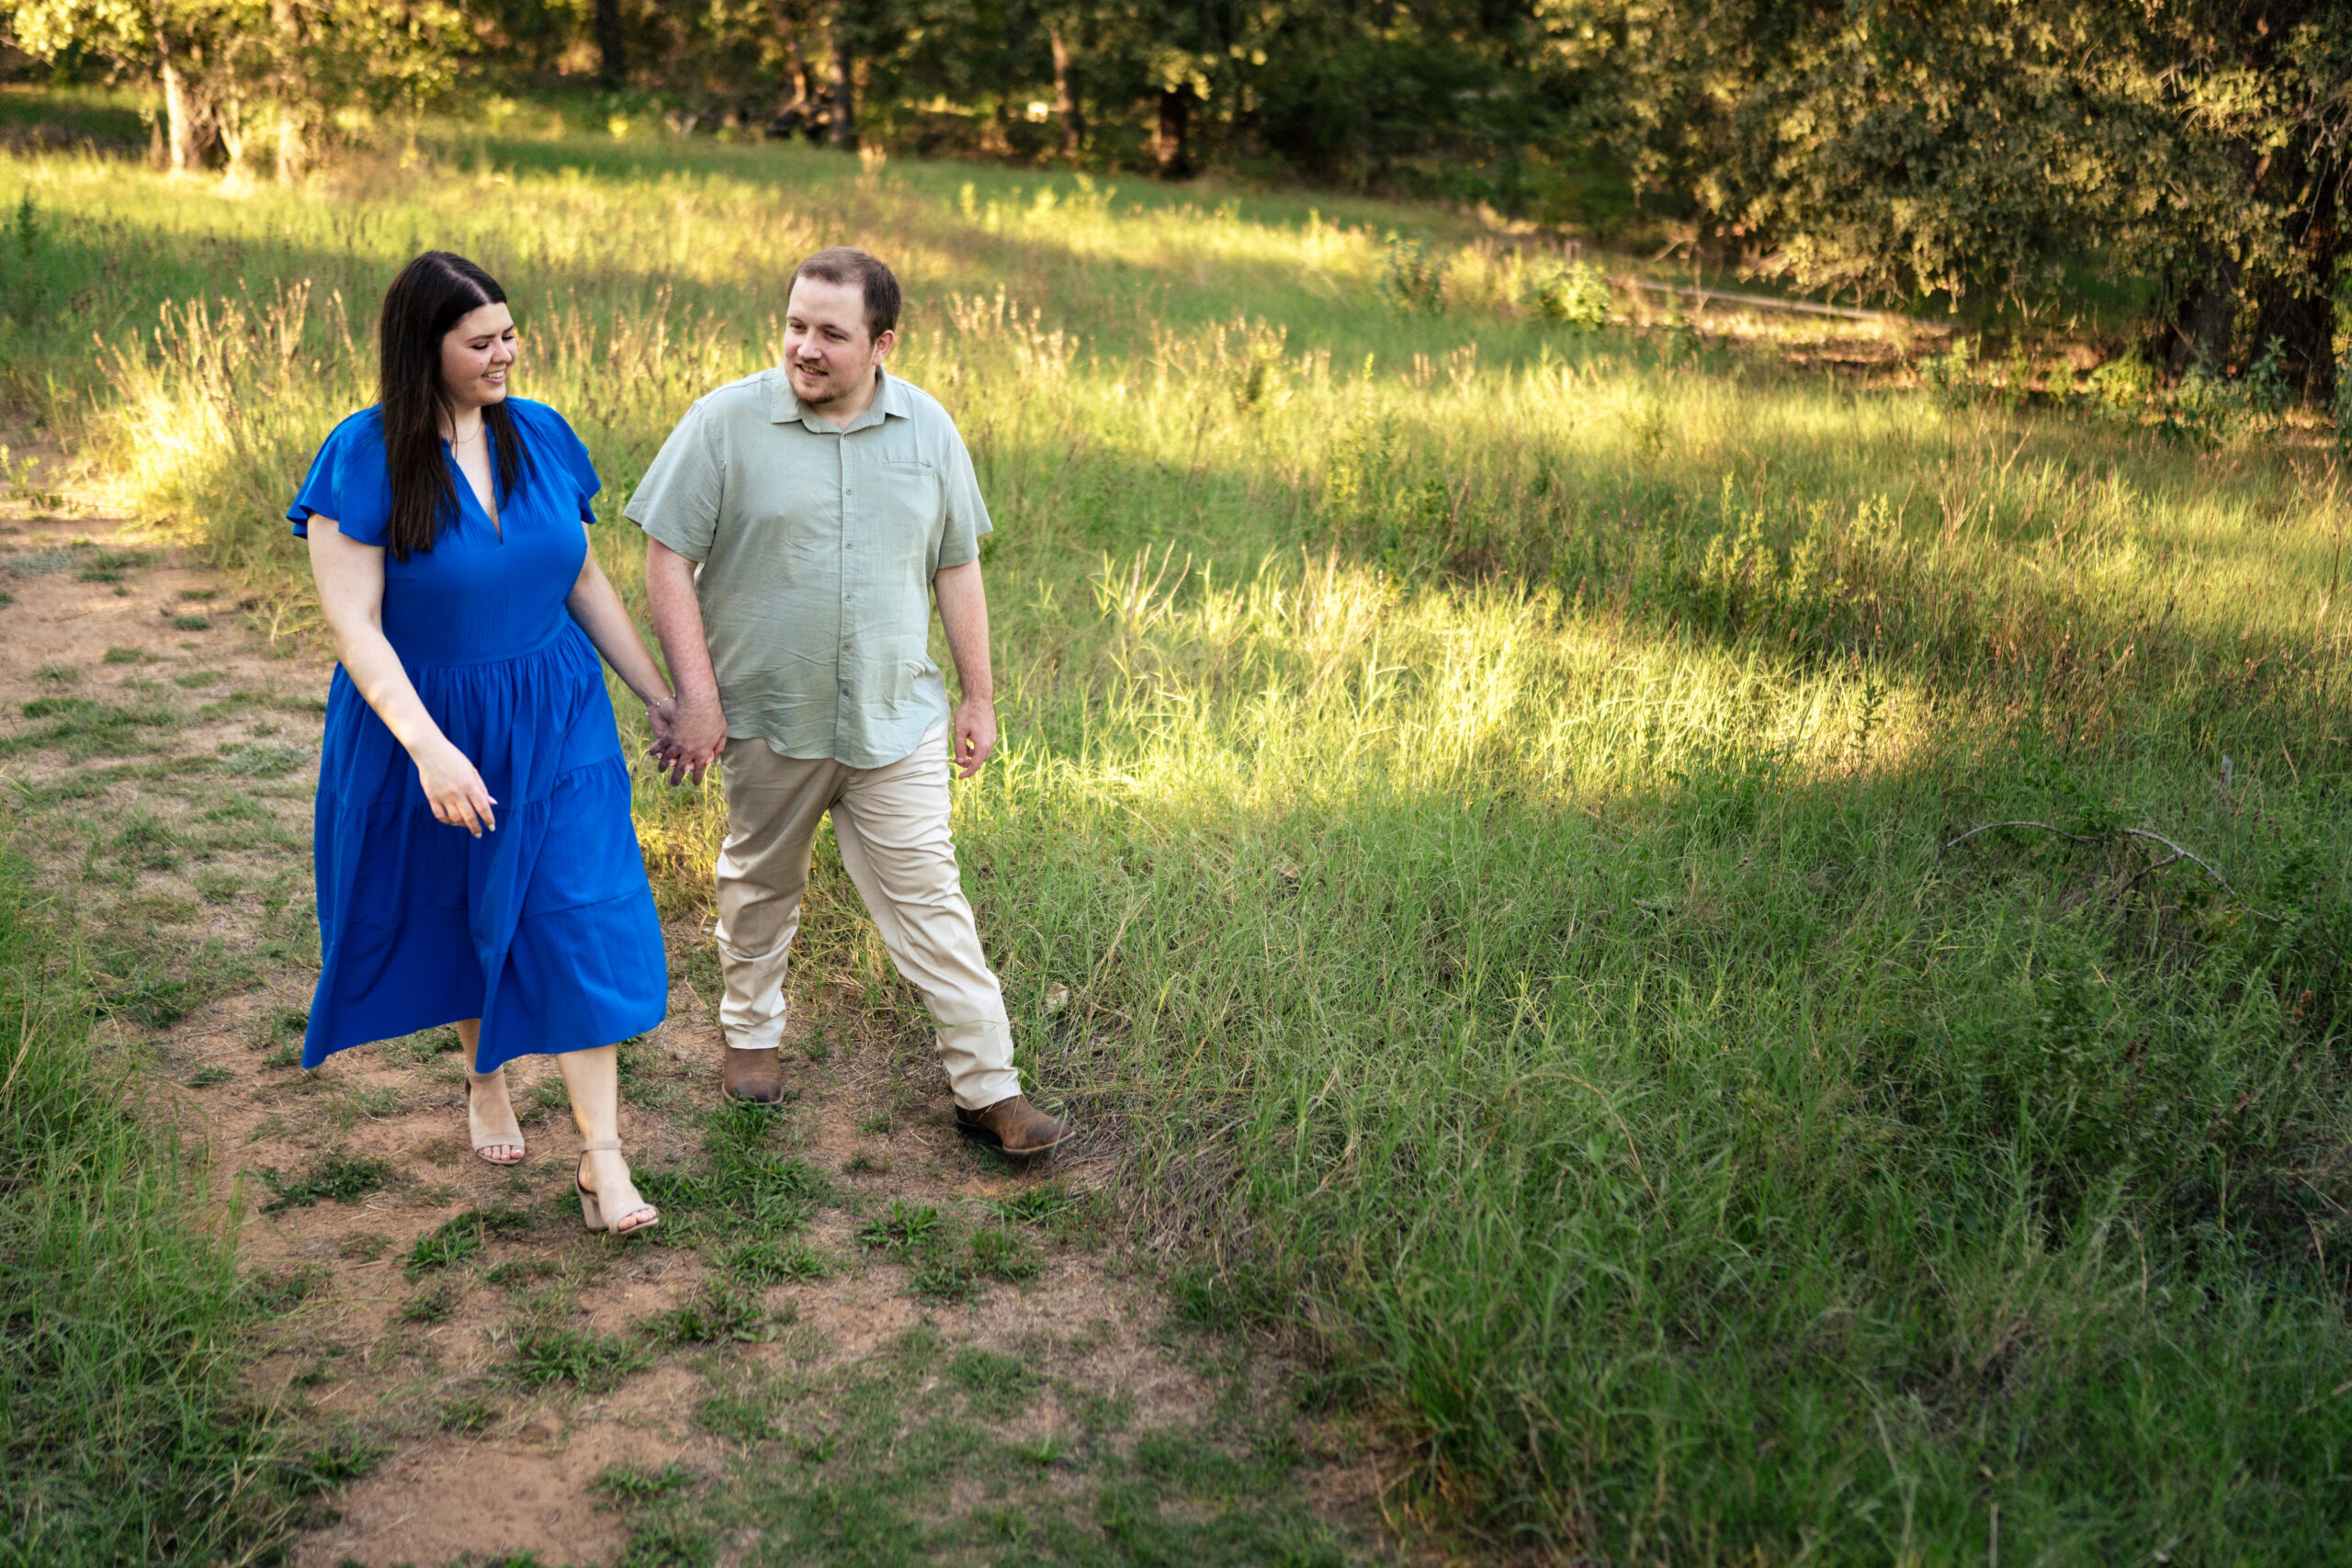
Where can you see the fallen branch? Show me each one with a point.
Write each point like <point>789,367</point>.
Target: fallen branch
<point>2179,853</point>
<point>1770,302</point>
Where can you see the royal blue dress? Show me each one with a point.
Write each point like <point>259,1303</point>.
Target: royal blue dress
<point>545,929</point>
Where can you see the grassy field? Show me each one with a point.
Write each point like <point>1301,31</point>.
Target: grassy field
<point>1487,794</point>
<point>126,1435</point>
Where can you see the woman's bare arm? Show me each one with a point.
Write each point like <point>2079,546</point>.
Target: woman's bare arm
<point>597,607</point>
<point>351,592</point>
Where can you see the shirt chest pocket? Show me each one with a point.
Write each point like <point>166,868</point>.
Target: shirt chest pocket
<point>907,497</point>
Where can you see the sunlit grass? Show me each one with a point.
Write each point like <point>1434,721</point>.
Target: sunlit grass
<point>1483,792</point>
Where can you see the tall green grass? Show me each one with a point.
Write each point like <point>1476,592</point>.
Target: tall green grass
<point>1486,793</point>
<point>124,1436</point>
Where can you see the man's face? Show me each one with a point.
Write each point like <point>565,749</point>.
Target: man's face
<point>827,350</point>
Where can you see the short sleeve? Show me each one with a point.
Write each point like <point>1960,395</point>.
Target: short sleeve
<point>677,502</point>
<point>348,484</point>
<point>967,515</point>
<point>555,444</point>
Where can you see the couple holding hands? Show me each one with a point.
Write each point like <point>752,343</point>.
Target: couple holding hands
<point>475,861</point>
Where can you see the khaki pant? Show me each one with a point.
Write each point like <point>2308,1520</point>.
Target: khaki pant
<point>891,825</point>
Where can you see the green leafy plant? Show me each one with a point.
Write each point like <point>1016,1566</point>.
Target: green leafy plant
<point>1412,275</point>
<point>594,1362</point>
<point>634,1485</point>
<point>436,1304</point>
<point>769,1262</point>
<point>715,1314</point>
<point>108,566</point>
<point>2121,387</point>
<point>1002,1254</point>
<point>903,1229</point>
<point>468,1414</point>
<point>340,1460</point>
<point>461,1237</point>
<point>1953,376</point>
<point>337,1178</point>
<point>1571,294</point>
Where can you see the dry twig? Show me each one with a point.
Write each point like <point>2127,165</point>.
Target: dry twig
<point>2179,853</point>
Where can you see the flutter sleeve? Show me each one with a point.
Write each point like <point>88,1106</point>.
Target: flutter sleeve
<point>557,446</point>
<point>348,484</point>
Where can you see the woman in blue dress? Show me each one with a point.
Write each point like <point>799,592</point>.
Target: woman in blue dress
<point>475,861</point>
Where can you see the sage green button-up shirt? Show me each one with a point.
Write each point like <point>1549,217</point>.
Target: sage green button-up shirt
<point>816,547</point>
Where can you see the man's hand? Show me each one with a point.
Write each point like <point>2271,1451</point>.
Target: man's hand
<point>964,612</point>
<point>975,735</point>
<point>689,739</point>
<point>692,732</point>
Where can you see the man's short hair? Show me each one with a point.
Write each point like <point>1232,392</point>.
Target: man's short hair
<point>848,265</point>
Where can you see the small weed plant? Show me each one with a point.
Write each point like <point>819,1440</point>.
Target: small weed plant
<point>595,1363</point>
<point>334,1177</point>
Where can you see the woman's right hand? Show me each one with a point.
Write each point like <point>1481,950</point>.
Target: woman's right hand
<point>453,788</point>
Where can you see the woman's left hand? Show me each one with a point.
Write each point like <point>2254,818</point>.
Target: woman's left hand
<point>663,716</point>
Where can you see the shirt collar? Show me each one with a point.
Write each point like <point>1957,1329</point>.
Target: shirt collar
<point>784,406</point>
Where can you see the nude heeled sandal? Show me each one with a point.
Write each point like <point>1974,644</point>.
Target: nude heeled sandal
<point>493,1140</point>
<point>592,1213</point>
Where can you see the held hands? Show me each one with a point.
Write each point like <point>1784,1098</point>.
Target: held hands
<point>975,734</point>
<point>453,788</point>
<point>687,738</point>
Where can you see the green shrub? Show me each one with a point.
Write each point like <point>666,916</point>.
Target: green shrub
<point>1573,294</point>
<point>1412,275</point>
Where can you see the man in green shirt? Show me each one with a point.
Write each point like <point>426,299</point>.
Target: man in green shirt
<point>798,525</point>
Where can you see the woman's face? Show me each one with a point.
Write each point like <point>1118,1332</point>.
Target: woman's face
<point>476,355</point>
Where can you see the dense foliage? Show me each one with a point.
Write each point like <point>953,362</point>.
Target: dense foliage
<point>1883,149</point>
<point>1896,149</point>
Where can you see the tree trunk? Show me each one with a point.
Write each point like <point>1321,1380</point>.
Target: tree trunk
<point>2304,326</point>
<point>293,149</point>
<point>612,50</point>
<point>181,134</point>
<point>1170,144</point>
<point>844,136</point>
<point>2201,328</point>
<point>229,124</point>
<point>1065,93</point>
<point>795,115</point>
<point>293,145</point>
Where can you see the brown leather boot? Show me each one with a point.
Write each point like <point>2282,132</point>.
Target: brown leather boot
<point>1015,1127</point>
<point>753,1075</point>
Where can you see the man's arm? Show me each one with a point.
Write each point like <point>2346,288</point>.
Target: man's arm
<point>964,611</point>
<point>699,732</point>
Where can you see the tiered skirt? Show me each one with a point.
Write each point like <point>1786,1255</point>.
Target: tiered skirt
<point>543,929</point>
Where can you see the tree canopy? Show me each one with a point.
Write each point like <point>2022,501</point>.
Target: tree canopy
<point>1889,150</point>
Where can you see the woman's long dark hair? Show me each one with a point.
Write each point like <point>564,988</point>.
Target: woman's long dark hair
<point>433,294</point>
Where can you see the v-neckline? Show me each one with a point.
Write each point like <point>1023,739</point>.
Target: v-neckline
<point>466,486</point>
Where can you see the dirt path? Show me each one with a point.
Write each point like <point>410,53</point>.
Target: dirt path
<point>854,1339</point>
